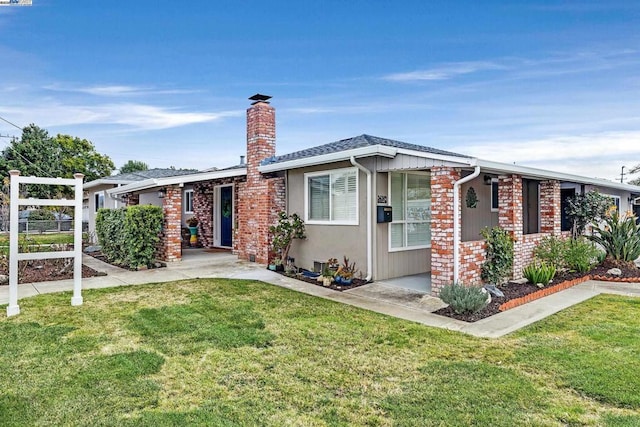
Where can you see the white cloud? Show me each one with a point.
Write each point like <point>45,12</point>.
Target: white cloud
<point>137,116</point>
<point>444,72</point>
<point>596,155</point>
<point>117,90</point>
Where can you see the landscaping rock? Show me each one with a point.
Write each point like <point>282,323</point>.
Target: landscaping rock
<point>484,291</point>
<point>4,279</point>
<point>94,248</point>
<point>614,272</point>
<point>494,290</point>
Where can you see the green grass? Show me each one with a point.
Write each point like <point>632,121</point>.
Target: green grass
<point>236,353</point>
<point>42,239</point>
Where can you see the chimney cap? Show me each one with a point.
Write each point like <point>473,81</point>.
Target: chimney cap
<point>259,98</point>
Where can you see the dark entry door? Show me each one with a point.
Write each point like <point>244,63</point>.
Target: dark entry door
<point>226,216</point>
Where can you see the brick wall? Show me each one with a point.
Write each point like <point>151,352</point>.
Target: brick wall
<point>203,207</point>
<point>472,255</point>
<point>442,180</point>
<point>170,245</point>
<point>260,198</point>
<point>550,209</point>
<point>132,199</point>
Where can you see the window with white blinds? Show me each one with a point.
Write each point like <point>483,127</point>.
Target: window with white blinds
<point>332,197</point>
<point>411,203</point>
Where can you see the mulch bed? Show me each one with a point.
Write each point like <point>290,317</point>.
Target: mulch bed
<point>336,287</point>
<point>99,255</point>
<point>516,294</point>
<point>46,270</point>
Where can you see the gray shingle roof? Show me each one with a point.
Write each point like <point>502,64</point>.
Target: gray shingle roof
<point>151,173</point>
<point>352,143</point>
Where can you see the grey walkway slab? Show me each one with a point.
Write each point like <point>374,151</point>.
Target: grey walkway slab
<point>404,304</point>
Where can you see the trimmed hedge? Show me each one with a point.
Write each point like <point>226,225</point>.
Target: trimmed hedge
<point>128,236</point>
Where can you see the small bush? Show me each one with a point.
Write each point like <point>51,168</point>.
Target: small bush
<point>464,299</point>
<point>499,255</point>
<point>539,273</point>
<point>41,220</point>
<point>580,255</point>
<point>551,251</point>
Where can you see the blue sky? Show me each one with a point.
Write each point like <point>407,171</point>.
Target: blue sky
<point>544,84</point>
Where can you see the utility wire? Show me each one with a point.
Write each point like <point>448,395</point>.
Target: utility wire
<point>11,123</point>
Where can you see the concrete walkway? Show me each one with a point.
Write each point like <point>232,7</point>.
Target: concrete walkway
<point>404,304</point>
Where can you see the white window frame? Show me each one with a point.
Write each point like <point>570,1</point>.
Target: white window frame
<point>186,199</point>
<point>616,201</point>
<point>330,173</point>
<point>96,200</point>
<point>495,181</point>
<point>404,221</point>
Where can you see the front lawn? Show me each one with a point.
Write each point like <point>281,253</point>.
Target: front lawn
<point>231,352</point>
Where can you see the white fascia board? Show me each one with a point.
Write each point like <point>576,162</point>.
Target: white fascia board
<point>102,181</point>
<point>467,161</point>
<point>372,150</point>
<point>175,180</point>
<point>496,167</point>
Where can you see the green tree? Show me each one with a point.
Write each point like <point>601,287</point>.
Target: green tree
<point>36,153</point>
<point>586,208</point>
<point>134,166</point>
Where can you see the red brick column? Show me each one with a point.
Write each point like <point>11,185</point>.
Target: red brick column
<point>442,180</point>
<point>510,215</point>
<point>170,245</point>
<point>260,198</point>
<point>550,210</point>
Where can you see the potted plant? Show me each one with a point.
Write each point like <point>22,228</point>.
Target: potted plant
<point>345,272</point>
<point>193,230</point>
<point>327,276</point>
<point>276,264</point>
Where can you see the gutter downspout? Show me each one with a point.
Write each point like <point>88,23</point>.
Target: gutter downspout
<point>456,219</point>
<point>369,222</point>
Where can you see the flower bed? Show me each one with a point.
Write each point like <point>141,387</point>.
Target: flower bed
<point>516,294</point>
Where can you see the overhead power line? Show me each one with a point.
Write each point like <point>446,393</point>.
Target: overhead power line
<point>11,123</point>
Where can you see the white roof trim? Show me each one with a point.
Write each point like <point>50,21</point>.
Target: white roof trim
<point>104,181</point>
<point>496,167</point>
<point>175,180</point>
<point>372,150</point>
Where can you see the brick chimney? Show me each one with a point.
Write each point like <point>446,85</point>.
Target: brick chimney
<point>261,134</point>
<point>260,198</point>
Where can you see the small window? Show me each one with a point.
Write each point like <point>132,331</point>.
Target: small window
<point>99,201</point>
<point>615,201</point>
<point>494,195</point>
<point>188,201</point>
<point>332,197</point>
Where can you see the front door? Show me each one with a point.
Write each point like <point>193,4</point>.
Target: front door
<point>226,216</point>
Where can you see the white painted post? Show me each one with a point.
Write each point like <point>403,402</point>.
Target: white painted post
<point>13,308</point>
<point>15,255</point>
<point>77,242</point>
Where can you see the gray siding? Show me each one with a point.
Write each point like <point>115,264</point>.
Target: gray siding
<point>475,219</point>
<point>328,241</point>
<point>399,263</point>
<point>406,162</point>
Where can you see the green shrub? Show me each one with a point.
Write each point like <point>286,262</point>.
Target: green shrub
<point>539,273</point>
<point>499,255</point>
<point>142,226</point>
<point>109,230</point>
<point>464,299</point>
<point>618,236</point>
<point>128,236</point>
<point>551,250</point>
<point>580,255</point>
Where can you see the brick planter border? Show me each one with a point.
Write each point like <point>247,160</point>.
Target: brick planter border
<point>542,293</point>
<point>617,279</point>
